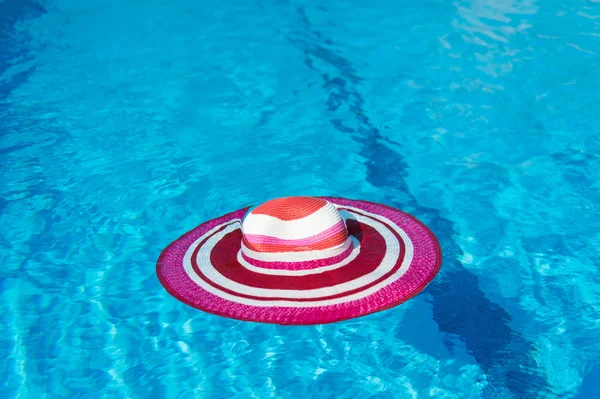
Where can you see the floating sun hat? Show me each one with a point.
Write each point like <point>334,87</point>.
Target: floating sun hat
<point>301,260</point>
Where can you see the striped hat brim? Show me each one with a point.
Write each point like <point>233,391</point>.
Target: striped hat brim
<point>394,258</point>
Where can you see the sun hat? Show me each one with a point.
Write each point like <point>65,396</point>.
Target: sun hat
<point>301,260</point>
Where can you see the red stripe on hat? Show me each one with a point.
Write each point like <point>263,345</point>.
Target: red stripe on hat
<point>224,259</point>
<point>358,289</point>
<point>300,264</point>
<point>290,208</point>
<point>355,262</point>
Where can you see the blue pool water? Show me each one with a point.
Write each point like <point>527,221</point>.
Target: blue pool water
<point>124,124</point>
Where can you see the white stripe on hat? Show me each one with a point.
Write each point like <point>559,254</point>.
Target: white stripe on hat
<point>388,262</point>
<point>305,227</point>
<point>281,272</point>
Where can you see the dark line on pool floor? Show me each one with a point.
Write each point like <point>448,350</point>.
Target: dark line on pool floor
<point>11,12</point>
<point>504,354</point>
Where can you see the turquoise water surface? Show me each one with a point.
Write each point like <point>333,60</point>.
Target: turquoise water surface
<point>124,124</point>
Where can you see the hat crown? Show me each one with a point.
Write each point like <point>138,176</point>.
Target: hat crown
<point>294,224</point>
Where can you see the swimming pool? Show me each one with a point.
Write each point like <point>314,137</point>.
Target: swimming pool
<point>125,124</point>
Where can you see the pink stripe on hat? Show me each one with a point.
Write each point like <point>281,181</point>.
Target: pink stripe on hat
<point>388,258</point>
<point>337,229</point>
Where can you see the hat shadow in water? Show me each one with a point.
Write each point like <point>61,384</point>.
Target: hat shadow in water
<point>460,307</point>
<point>353,226</point>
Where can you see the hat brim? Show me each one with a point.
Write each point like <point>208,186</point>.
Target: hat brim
<point>397,257</point>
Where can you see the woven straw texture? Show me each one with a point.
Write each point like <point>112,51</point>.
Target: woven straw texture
<point>392,258</point>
